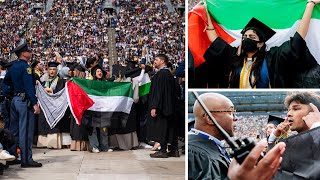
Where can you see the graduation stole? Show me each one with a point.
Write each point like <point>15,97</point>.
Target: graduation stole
<point>245,74</point>
<point>52,83</point>
<point>281,137</point>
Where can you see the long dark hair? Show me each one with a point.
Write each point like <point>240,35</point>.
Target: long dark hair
<point>256,66</point>
<point>95,76</point>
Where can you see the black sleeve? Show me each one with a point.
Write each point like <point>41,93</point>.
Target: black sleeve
<point>162,93</point>
<point>292,55</point>
<point>200,166</point>
<point>219,61</point>
<point>220,52</point>
<point>60,85</point>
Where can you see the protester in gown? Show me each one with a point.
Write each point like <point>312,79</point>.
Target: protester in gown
<point>50,138</point>
<point>98,136</point>
<point>126,138</point>
<point>290,65</point>
<point>79,133</point>
<point>64,123</point>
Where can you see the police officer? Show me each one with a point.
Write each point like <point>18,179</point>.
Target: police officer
<point>24,105</point>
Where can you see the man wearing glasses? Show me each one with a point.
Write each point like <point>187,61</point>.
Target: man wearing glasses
<point>207,158</point>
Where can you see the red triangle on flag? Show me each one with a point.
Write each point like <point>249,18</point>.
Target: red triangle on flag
<point>78,100</point>
<point>198,41</point>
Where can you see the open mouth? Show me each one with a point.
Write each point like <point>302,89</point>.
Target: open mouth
<point>290,122</point>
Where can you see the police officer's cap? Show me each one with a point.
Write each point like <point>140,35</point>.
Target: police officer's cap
<point>53,64</point>
<point>275,120</point>
<point>263,31</point>
<point>21,48</point>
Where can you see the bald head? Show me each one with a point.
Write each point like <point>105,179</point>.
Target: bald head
<point>214,102</point>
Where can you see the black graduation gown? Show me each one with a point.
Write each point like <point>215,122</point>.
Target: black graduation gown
<point>130,125</point>
<point>162,97</point>
<point>80,133</point>
<point>64,123</point>
<point>286,63</point>
<point>205,160</point>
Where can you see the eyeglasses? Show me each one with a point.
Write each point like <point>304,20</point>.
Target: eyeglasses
<point>233,111</point>
<point>230,111</point>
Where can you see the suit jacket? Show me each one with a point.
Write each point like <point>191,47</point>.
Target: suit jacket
<point>205,161</point>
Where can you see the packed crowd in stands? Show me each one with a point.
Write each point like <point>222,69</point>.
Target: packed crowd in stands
<point>192,3</point>
<point>74,29</point>
<point>77,30</point>
<point>178,2</point>
<point>250,126</point>
<point>149,25</point>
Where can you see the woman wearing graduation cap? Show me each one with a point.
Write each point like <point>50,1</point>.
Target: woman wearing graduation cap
<point>251,66</point>
<point>98,138</point>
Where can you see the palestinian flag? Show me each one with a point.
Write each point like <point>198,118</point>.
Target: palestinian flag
<point>112,100</point>
<point>78,100</point>
<point>144,85</point>
<point>229,17</point>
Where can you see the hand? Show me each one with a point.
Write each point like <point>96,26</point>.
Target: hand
<point>142,66</point>
<point>315,1</point>
<point>36,109</point>
<point>282,127</point>
<point>153,113</point>
<point>264,169</point>
<point>312,117</point>
<point>49,90</point>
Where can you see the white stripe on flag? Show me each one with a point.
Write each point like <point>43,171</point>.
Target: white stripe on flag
<point>111,103</point>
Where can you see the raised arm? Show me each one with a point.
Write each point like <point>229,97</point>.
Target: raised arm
<point>211,33</point>
<point>305,22</point>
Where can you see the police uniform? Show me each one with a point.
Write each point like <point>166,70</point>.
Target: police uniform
<point>21,79</point>
<point>6,96</point>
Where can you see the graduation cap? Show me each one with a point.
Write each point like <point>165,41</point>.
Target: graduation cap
<point>118,69</point>
<point>275,120</point>
<point>34,63</point>
<point>131,64</point>
<point>78,67</point>
<point>133,72</point>
<point>90,61</point>
<point>263,31</point>
<point>3,62</point>
<point>95,68</point>
<point>69,64</point>
<point>53,64</point>
<point>21,48</point>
